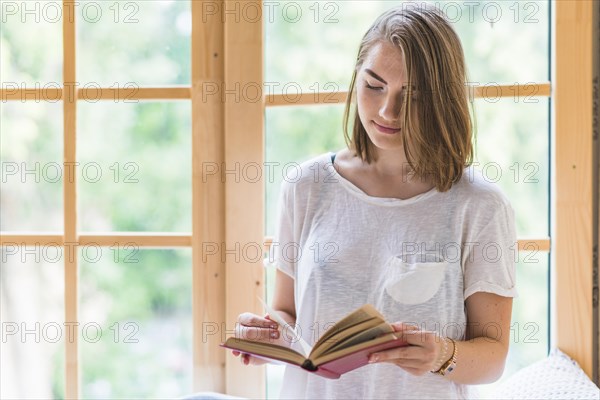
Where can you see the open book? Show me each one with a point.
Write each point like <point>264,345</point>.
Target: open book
<point>342,348</point>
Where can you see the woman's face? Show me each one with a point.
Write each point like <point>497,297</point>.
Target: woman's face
<point>380,83</point>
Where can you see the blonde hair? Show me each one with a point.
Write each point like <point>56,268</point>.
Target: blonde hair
<point>437,143</point>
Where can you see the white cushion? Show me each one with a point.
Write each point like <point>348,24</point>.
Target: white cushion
<point>555,377</point>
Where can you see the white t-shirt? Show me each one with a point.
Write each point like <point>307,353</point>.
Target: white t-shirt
<point>414,260</point>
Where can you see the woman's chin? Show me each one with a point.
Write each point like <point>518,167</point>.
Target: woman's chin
<point>385,143</point>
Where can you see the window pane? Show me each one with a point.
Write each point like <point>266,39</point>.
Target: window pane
<point>312,43</point>
<point>142,42</point>
<point>135,166</point>
<point>32,319</point>
<point>529,324</point>
<point>31,167</point>
<point>31,44</point>
<point>136,322</point>
<point>295,134</point>
<point>513,150</point>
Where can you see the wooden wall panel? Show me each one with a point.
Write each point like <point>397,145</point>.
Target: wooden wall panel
<point>596,183</point>
<point>208,198</point>
<point>572,233</point>
<point>244,147</point>
<point>70,200</point>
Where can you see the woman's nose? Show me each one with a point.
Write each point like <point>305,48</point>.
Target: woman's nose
<point>390,109</point>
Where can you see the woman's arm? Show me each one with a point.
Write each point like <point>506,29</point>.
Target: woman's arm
<point>481,357</point>
<point>283,298</point>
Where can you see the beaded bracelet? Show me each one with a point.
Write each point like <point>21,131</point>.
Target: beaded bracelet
<point>442,358</point>
<point>449,365</point>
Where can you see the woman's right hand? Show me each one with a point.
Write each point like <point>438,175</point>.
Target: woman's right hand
<point>254,327</point>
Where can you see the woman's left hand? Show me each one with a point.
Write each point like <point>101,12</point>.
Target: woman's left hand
<point>420,356</point>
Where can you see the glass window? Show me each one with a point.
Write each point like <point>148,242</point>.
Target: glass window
<point>513,151</point>
<point>529,326</point>
<point>295,134</point>
<point>136,322</point>
<point>34,332</point>
<point>310,44</point>
<point>31,167</point>
<point>31,43</point>
<point>140,42</point>
<point>135,166</point>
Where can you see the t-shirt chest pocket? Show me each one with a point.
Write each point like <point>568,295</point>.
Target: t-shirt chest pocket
<point>414,279</point>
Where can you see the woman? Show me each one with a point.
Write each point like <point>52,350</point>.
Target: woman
<point>399,220</point>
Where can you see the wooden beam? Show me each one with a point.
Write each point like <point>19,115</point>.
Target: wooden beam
<point>208,199</point>
<point>172,240</point>
<point>48,93</point>
<point>596,190</point>
<point>305,99</point>
<point>492,91</point>
<point>244,145</point>
<point>70,197</point>
<point>485,91</point>
<point>536,245</point>
<point>30,239</point>
<point>572,237</point>
<point>93,94</point>
<point>145,240</point>
<point>133,93</point>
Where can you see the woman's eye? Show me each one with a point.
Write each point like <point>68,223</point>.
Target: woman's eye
<point>372,87</point>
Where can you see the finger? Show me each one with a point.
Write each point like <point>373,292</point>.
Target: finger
<point>235,353</point>
<point>273,322</point>
<point>398,353</point>
<point>423,345</point>
<point>257,334</point>
<point>404,326</point>
<point>249,319</point>
<point>419,338</point>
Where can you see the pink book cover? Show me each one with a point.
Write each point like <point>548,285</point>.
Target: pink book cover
<point>335,368</point>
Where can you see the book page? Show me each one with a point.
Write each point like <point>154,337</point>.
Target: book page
<point>337,337</point>
<point>268,350</point>
<point>306,349</point>
<point>364,336</point>
<point>352,349</point>
<point>364,313</point>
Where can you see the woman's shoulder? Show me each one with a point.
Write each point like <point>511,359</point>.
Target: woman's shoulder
<point>308,172</point>
<point>302,179</point>
<point>476,187</point>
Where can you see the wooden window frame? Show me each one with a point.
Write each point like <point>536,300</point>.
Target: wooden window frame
<point>230,52</point>
<point>572,210</point>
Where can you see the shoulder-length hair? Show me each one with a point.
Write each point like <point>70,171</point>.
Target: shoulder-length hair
<point>435,115</point>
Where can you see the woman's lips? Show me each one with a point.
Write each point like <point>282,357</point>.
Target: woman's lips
<point>385,129</point>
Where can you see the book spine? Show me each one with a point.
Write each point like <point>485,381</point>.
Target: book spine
<point>308,365</point>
